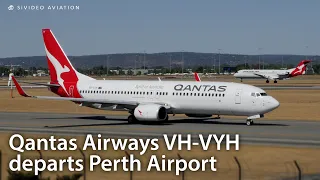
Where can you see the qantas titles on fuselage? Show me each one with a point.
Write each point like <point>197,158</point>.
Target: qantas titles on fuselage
<point>181,87</point>
<point>204,88</point>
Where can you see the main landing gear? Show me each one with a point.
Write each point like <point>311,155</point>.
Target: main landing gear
<point>132,119</point>
<point>249,122</point>
<point>275,81</point>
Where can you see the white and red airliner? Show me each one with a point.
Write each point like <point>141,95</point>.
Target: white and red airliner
<point>273,74</point>
<point>149,100</point>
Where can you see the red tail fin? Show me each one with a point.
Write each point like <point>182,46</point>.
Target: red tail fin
<point>61,70</point>
<point>300,69</point>
<point>196,76</point>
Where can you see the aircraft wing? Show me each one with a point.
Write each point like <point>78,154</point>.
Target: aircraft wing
<point>42,84</point>
<point>131,104</point>
<point>268,76</point>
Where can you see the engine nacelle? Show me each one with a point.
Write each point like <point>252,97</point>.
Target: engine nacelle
<point>150,112</point>
<point>199,115</point>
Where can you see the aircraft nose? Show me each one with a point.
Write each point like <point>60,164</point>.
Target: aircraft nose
<point>274,103</point>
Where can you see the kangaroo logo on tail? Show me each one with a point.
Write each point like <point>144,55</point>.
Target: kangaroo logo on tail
<point>59,70</point>
<point>300,69</point>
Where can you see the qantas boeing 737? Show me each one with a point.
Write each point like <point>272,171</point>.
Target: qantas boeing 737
<point>272,74</point>
<point>150,100</point>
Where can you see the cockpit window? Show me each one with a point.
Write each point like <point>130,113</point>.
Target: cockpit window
<point>256,94</point>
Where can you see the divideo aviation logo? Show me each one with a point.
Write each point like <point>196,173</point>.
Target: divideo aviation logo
<point>43,7</point>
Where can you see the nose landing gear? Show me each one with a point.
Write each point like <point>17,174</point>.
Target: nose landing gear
<point>250,119</point>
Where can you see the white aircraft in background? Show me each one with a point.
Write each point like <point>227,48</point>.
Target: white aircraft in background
<point>272,74</point>
<point>150,100</point>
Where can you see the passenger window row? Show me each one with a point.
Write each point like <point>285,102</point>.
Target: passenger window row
<point>122,92</point>
<point>115,92</point>
<point>150,93</point>
<point>199,94</point>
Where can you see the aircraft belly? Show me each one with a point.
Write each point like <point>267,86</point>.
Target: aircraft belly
<point>204,107</point>
<point>250,76</point>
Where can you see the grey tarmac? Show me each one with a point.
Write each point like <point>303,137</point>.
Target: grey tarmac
<point>270,132</point>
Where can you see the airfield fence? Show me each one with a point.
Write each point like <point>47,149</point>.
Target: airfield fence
<point>236,169</point>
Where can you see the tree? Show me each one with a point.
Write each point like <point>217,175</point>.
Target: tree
<point>316,68</point>
<point>130,72</point>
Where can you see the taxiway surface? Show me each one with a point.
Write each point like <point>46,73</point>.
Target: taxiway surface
<point>284,132</point>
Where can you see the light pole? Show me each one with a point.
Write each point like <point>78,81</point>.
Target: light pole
<point>259,56</point>
<point>135,65</point>
<point>107,65</point>
<point>219,60</point>
<point>144,60</point>
<point>170,62</point>
<point>182,62</point>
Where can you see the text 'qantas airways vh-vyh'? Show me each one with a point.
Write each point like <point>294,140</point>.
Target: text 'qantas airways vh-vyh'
<point>150,100</point>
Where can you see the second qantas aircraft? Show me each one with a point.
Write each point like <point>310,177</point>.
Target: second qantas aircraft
<point>150,100</point>
<point>273,74</point>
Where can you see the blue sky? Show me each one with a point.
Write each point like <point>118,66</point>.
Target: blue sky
<point>123,26</point>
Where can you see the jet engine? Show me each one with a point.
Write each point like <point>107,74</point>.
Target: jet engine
<point>199,115</point>
<point>150,112</point>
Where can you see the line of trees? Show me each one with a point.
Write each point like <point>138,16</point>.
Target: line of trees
<point>100,70</point>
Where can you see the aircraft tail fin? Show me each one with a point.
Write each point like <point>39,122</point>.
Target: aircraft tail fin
<point>300,69</point>
<point>60,67</point>
<point>196,76</point>
<point>61,70</point>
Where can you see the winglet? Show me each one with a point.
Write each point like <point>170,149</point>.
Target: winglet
<point>196,76</point>
<point>19,88</point>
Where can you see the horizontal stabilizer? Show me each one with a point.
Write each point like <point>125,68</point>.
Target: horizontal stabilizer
<point>41,84</point>
<point>19,88</point>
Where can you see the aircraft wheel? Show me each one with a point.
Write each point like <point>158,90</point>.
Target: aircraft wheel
<point>275,81</point>
<point>267,81</point>
<point>249,122</point>
<point>167,119</point>
<point>132,119</point>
